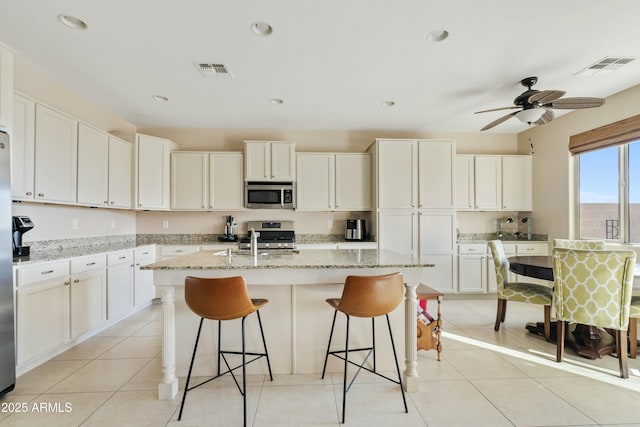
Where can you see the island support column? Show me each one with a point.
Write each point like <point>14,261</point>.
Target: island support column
<point>168,388</point>
<point>411,378</point>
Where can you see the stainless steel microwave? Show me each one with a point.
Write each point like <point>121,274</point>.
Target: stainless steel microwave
<point>270,195</point>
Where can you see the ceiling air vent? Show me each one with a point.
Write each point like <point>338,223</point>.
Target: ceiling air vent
<point>605,65</point>
<point>209,69</point>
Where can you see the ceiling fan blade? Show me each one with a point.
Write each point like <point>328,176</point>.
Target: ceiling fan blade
<point>546,96</point>
<point>497,109</point>
<point>575,103</point>
<point>500,120</point>
<point>546,117</point>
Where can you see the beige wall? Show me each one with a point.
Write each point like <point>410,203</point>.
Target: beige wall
<point>553,165</point>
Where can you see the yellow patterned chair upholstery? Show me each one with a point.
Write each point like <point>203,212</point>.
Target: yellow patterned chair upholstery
<point>594,288</point>
<point>594,245</point>
<point>517,291</point>
<point>634,314</point>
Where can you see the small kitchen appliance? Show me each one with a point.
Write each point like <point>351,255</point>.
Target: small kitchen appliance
<point>271,235</point>
<point>355,229</point>
<point>270,195</point>
<point>21,224</point>
<point>230,230</point>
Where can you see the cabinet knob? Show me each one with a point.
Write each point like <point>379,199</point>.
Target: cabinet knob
<point>29,193</point>
<point>76,281</point>
<point>67,283</point>
<point>40,194</point>
<point>112,202</point>
<point>106,202</point>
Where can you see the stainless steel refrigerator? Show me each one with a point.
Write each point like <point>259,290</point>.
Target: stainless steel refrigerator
<point>7,338</point>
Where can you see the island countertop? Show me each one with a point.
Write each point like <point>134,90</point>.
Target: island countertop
<point>302,259</point>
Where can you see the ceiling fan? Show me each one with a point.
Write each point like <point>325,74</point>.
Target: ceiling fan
<point>536,106</point>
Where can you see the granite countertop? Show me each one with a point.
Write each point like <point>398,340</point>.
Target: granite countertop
<point>303,259</point>
<point>63,253</point>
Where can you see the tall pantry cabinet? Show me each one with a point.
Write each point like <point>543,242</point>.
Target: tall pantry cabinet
<point>415,200</point>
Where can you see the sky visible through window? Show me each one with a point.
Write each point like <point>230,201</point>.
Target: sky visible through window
<point>599,175</point>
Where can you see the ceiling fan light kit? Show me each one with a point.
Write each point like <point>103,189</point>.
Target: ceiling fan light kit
<point>536,107</point>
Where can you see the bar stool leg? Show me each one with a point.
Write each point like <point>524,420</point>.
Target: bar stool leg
<point>264,342</point>
<point>326,357</point>
<point>373,342</point>
<point>193,357</point>
<point>244,378</point>
<point>219,343</point>
<point>395,358</point>
<point>344,378</point>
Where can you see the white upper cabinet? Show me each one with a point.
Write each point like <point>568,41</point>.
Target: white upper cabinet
<point>488,182</point>
<point>189,180</point>
<point>353,182</point>
<point>104,169</point>
<point>465,182</point>
<point>436,168</point>
<point>56,150</point>
<point>397,173</point>
<point>270,161</point>
<point>6,89</point>
<point>93,166</point>
<point>153,177</point>
<point>226,185</point>
<point>22,148</point>
<point>120,173</point>
<point>315,189</point>
<point>516,183</point>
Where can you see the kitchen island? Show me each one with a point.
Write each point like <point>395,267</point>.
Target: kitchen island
<point>296,320</point>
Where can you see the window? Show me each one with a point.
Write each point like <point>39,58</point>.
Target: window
<point>609,193</point>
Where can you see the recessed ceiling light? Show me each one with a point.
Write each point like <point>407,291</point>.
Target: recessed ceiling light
<point>437,35</point>
<point>261,28</point>
<point>160,98</point>
<point>276,101</point>
<point>72,22</point>
<point>388,104</point>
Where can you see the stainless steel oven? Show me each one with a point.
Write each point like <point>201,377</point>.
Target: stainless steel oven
<point>270,195</point>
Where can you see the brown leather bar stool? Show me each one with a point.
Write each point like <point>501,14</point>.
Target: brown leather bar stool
<point>223,299</point>
<point>368,297</point>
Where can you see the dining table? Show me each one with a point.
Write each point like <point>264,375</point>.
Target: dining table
<point>589,341</point>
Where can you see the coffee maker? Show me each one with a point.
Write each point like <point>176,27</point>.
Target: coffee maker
<point>21,224</point>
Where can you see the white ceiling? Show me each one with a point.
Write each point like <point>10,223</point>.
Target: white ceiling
<point>332,61</point>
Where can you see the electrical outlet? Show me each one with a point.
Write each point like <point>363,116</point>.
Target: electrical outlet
<point>113,223</point>
<point>329,224</point>
<point>165,224</point>
<point>75,224</point>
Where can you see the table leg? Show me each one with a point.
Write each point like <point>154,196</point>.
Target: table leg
<point>586,340</point>
<point>168,387</point>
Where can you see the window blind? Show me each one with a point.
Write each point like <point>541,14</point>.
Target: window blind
<point>620,132</point>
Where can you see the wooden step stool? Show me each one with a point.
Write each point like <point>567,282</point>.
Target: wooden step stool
<point>429,333</point>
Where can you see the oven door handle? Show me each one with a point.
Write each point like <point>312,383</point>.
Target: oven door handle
<point>282,197</point>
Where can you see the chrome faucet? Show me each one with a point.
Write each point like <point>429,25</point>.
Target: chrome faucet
<point>254,243</point>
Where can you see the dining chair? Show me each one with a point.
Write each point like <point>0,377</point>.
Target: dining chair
<point>594,288</point>
<point>594,245</point>
<point>634,314</point>
<point>518,291</point>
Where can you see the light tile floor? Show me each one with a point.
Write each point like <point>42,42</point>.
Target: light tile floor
<point>508,378</point>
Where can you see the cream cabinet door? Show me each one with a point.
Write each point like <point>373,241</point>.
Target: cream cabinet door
<point>22,148</point>
<point>516,183</point>
<point>6,89</point>
<point>437,232</point>
<point>397,173</point>
<point>88,301</point>
<point>465,182</point>
<point>56,156</point>
<point>42,317</point>
<point>488,182</point>
<point>472,273</point>
<point>353,182</point>
<point>189,180</point>
<point>93,166</point>
<point>226,181</point>
<point>398,232</point>
<point>257,157</point>
<point>315,189</point>
<point>120,173</point>
<point>143,289</point>
<point>119,283</point>
<point>283,161</point>
<point>153,172</point>
<point>436,168</point>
